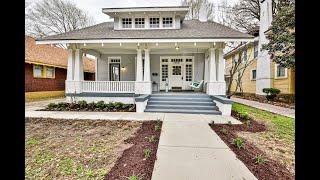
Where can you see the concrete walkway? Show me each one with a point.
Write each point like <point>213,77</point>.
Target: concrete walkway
<point>267,107</point>
<point>190,150</point>
<point>29,106</point>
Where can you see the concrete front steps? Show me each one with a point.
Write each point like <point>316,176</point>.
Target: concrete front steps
<point>182,103</point>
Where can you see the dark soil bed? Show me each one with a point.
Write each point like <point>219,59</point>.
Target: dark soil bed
<point>270,169</point>
<point>264,100</point>
<point>132,161</point>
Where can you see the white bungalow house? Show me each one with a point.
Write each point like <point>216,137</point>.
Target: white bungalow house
<point>146,50</point>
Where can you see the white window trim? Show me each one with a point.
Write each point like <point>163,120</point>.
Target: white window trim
<point>150,22</point>
<point>276,74</point>
<point>147,25</point>
<point>251,78</point>
<point>144,21</point>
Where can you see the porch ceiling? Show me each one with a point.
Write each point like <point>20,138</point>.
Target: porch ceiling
<point>155,48</point>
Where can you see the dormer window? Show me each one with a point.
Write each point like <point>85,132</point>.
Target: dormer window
<point>154,22</point>
<point>126,23</point>
<point>167,22</point>
<point>139,22</point>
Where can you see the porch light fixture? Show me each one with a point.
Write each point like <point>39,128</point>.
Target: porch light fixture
<point>157,44</point>
<point>123,68</point>
<point>84,44</point>
<point>177,48</point>
<point>195,44</point>
<point>102,44</point>
<point>120,44</point>
<point>138,45</point>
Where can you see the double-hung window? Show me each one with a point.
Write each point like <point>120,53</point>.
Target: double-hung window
<point>167,22</point>
<point>139,22</point>
<point>37,70</point>
<point>154,22</point>
<point>126,23</point>
<point>281,72</point>
<point>253,74</point>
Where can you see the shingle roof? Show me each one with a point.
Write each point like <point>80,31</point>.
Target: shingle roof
<point>191,29</point>
<point>51,55</point>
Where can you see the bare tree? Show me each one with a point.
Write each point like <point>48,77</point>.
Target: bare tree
<point>198,8</point>
<point>49,17</point>
<point>237,70</point>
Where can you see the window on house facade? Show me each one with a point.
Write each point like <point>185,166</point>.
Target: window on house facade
<point>40,71</point>
<point>50,72</point>
<point>139,22</point>
<point>188,72</point>
<point>164,72</point>
<point>37,70</point>
<point>255,50</point>
<point>253,74</point>
<point>280,71</point>
<point>154,22</point>
<point>167,22</point>
<point>126,23</point>
<point>176,70</point>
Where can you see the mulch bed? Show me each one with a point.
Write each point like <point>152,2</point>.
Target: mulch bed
<point>132,161</point>
<point>270,169</point>
<point>264,100</point>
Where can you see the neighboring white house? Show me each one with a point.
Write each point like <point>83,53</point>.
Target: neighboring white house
<point>144,48</point>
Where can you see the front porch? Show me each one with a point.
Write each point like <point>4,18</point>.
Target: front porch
<point>143,69</point>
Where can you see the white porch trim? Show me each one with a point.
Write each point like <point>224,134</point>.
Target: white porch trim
<point>142,40</point>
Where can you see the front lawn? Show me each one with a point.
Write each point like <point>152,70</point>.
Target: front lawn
<point>90,149</point>
<point>279,126</point>
<point>43,95</point>
<point>74,149</point>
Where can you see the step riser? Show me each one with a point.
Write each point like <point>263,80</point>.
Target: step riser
<point>184,112</point>
<point>182,99</point>
<point>181,103</point>
<point>183,107</point>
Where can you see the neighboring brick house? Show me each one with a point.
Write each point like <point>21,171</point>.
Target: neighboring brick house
<point>46,67</point>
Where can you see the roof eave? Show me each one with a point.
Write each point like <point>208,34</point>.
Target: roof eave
<point>144,40</point>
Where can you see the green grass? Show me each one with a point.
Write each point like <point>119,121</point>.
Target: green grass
<point>42,95</point>
<point>278,125</point>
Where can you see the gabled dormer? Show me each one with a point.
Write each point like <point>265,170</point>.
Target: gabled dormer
<point>146,18</point>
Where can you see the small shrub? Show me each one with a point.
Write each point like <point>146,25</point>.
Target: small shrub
<point>248,123</point>
<point>147,153</point>
<point>82,104</point>
<point>238,142</point>
<point>135,177</point>
<point>118,105</point>
<point>91,105</point>
<point>271,93</point>
<point>244,115</point>
<point>259,159</point>
<point>100,104</point>
<point>224,131</point>
<point>151,139</point>
<point>52,105</point>
<point>229,123</point>
<point>110,106</point>
<point>62,105</point>
<point>156,127</point>
<point>132,107</point>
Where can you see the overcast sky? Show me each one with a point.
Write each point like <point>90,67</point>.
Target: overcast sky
<point>94,7</point>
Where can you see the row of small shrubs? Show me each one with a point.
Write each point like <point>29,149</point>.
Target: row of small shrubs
<point>98,106</point>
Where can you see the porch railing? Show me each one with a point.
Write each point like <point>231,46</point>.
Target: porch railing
<point>108,86</point>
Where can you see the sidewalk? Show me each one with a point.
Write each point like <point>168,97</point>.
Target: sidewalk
<point>190,149</point>
<point>267,107</point>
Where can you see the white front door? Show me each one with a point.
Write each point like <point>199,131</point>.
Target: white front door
<point>177,71</point>
<point>176,77</point>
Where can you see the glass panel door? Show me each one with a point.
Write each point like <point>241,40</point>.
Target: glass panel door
<point>114,72</point>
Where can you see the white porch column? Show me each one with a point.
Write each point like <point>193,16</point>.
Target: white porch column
<point>70,68</point>
<point>216,84</point>
<point>139,75</point>
<point>147,75</point>
<point>78,70</point>
<point>212,65</point>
